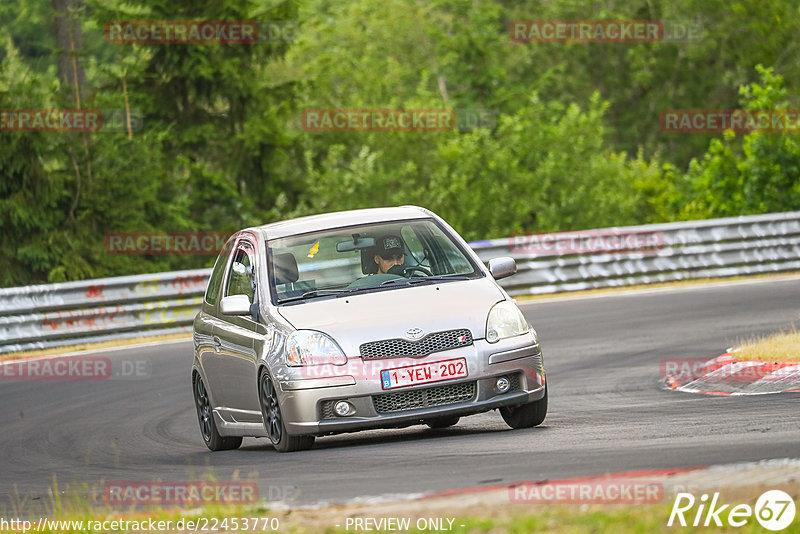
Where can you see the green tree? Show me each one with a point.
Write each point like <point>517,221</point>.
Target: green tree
<point>760,174</point>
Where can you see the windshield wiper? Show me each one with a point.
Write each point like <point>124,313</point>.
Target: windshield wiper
<point>404,281</point>
<point>440,277</point>
<point>421,279</point>
<point>315,293</point>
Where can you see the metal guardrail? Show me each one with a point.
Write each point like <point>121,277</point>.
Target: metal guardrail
<point>70,313</point>
<point>710,248</point>
<point>103,309</point>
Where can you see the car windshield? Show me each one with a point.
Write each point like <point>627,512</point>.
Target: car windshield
<point>365,258</point>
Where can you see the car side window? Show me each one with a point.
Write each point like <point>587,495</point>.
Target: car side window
<point>241,274</point>
<point>214,283</point>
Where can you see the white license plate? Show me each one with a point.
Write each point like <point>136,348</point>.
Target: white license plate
<point>424,373</point>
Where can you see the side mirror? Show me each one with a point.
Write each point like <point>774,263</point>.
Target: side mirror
<point>235,305</point>
<point>502,267</point>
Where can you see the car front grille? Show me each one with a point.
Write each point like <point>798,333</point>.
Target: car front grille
<point>327,410</point>
<point>514,382</point>
<point>433,342</point>
<point>424,398</point>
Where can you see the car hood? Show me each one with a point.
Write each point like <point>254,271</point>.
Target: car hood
<point>389,314</point>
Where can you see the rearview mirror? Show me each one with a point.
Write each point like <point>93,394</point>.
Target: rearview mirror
<point>357,243</point>
<point>235,305</point>
<point>502,267</point>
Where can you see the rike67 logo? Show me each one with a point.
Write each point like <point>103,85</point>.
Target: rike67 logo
<point>774,510</point>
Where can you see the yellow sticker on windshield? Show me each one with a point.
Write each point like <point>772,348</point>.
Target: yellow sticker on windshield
<point>313,250</point>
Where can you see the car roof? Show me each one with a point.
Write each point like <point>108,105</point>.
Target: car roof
<point>328,221</point>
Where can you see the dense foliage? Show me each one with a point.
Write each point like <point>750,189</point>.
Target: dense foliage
<point>574,139</point>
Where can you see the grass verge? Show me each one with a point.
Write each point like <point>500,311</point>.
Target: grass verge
<point>455,514</point>
<point>566,519</point>
<point>783,347</point>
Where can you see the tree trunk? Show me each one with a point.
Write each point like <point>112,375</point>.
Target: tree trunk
<point>69,39</point>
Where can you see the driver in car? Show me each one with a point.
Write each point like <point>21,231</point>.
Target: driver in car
<point>389,254</point>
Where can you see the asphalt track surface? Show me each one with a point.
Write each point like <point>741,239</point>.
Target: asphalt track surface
<point>608,412</point>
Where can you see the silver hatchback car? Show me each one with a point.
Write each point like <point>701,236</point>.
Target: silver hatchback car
<point>376,318</point>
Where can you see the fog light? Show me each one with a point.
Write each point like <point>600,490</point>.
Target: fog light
<point>502,384</point>
<point>492,336</point>
<point>342,408</point>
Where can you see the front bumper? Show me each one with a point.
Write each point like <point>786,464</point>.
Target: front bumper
<point>305,402</point>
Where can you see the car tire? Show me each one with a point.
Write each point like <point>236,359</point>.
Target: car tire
<point>526,415</point>
<point>443,422</point>
<point>208,427</point>
<point>273,420</point>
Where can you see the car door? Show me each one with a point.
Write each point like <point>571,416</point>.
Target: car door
<point>206,326</point>
<point>236,378</point>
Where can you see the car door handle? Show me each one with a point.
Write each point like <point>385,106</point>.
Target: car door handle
<point>217,343</point>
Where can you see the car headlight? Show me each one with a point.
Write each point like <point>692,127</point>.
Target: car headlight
<point>505,320</point>
<point>308,347</point>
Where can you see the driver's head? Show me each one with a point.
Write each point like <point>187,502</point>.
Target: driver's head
<point>388,252</point>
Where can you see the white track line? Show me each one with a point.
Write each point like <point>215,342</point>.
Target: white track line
<point>95,351</point>
<point>655,290</point>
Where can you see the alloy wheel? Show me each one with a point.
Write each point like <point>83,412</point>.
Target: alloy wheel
<point>270,409</point>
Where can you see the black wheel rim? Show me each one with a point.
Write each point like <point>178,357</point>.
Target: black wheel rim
<point>203,409</point>
<point>271,410</point>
